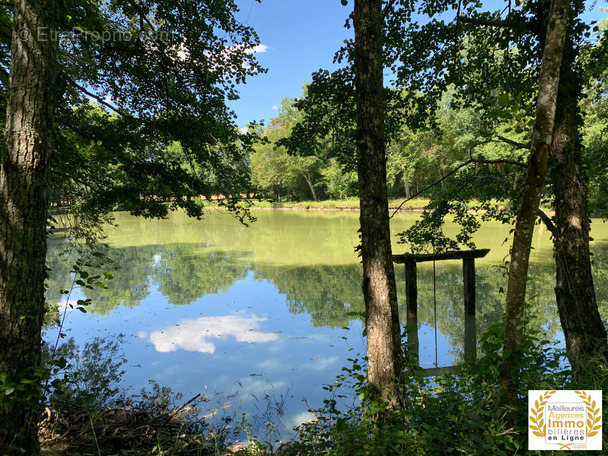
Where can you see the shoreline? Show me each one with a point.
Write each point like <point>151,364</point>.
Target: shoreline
<point>417,205</point>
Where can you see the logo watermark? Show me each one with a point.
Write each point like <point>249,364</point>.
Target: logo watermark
<point>564,420</point>
<point>105,36</point>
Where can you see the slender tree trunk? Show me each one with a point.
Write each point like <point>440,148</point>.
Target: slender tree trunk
<point>385,360</point>
<point>582,324</point>
<point>441,176</point>
<point>24,177</point>
<point>308,180</point>
<point>532,192</point>
<point>406,184</point>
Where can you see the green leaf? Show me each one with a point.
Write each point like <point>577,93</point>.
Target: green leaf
<point>59,362</point>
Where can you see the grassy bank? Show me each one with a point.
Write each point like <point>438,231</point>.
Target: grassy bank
<point>350,204</point>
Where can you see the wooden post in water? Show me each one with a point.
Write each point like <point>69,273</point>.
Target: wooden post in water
<point>411,294</point>
<point>470,329</point>
<point>411,300</point>
<point>468,275</point>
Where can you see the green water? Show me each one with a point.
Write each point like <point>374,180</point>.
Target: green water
<point>215,305</point>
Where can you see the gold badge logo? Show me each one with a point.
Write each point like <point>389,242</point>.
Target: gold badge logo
<point>564,420</point>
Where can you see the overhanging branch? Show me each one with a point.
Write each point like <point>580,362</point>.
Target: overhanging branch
<point>514,143</point>
<point>428,187</point>
<point>454,171</point>
<point>101,100</point>
<point>484,22</point>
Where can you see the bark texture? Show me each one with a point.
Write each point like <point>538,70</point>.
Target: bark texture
<point>384,352</point>
<point>24,174</point>
<point>532,192</point>
<point>581,322</point>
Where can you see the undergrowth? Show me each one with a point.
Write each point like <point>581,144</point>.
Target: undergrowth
<point>451,414</point>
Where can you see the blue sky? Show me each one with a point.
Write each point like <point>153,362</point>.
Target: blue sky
<point>298,37</point>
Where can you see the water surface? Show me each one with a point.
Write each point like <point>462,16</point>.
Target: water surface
<point>270,312</point>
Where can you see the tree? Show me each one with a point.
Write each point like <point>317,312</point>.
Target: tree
<point>308,167</point>
<point>136,78</point>
<point>384,352</point>
<point>24,177</point>
<point>159,72</point>
<point>481,46</point>
<point>586,341</point>
<point>272,171</point>
<point>339,182</point>
<point>532,192</point>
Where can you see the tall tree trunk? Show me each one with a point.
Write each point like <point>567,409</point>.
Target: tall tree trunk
<point>384,352</point>
<point>582,324</point>
<point>532,191</point>
<point>24,175</point>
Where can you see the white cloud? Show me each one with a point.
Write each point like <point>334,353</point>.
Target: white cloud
<point>320,364</point>
<point>299,418</point>
<point>183,53</point>
<point>255,386</point>
<point>275,107</point>
<point>194,335</point>
<point>67,305</point>
<point>243,130</point>
<point>259,49</point>
<point>273,365</point>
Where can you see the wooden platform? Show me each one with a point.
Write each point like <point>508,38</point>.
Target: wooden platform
<point>468,258</point>
<point>451,255</point>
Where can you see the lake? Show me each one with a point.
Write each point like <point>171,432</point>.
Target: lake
<point>266,315</point>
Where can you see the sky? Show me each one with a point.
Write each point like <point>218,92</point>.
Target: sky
<point>298,37</point>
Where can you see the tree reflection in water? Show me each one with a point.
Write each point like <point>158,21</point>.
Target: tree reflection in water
<point>216,282</point>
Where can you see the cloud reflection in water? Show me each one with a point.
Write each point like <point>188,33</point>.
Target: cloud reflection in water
<point>194,335</point>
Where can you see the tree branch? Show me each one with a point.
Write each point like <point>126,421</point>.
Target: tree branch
<point>484,22</point>
<point>455,170</point>
<point>417,194</point>
<point>142,16</point>
<point>499,162</point>
<point>101,100</point>
<point>514,143</point>
<point>547,221</point>
<point>88,137</point>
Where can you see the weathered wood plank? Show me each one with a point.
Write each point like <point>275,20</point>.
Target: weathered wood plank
<point>452,255</point>
<point>434,371</point>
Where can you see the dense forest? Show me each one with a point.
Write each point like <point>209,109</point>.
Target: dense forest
<point>420,162</point>
<point>123,105</point>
